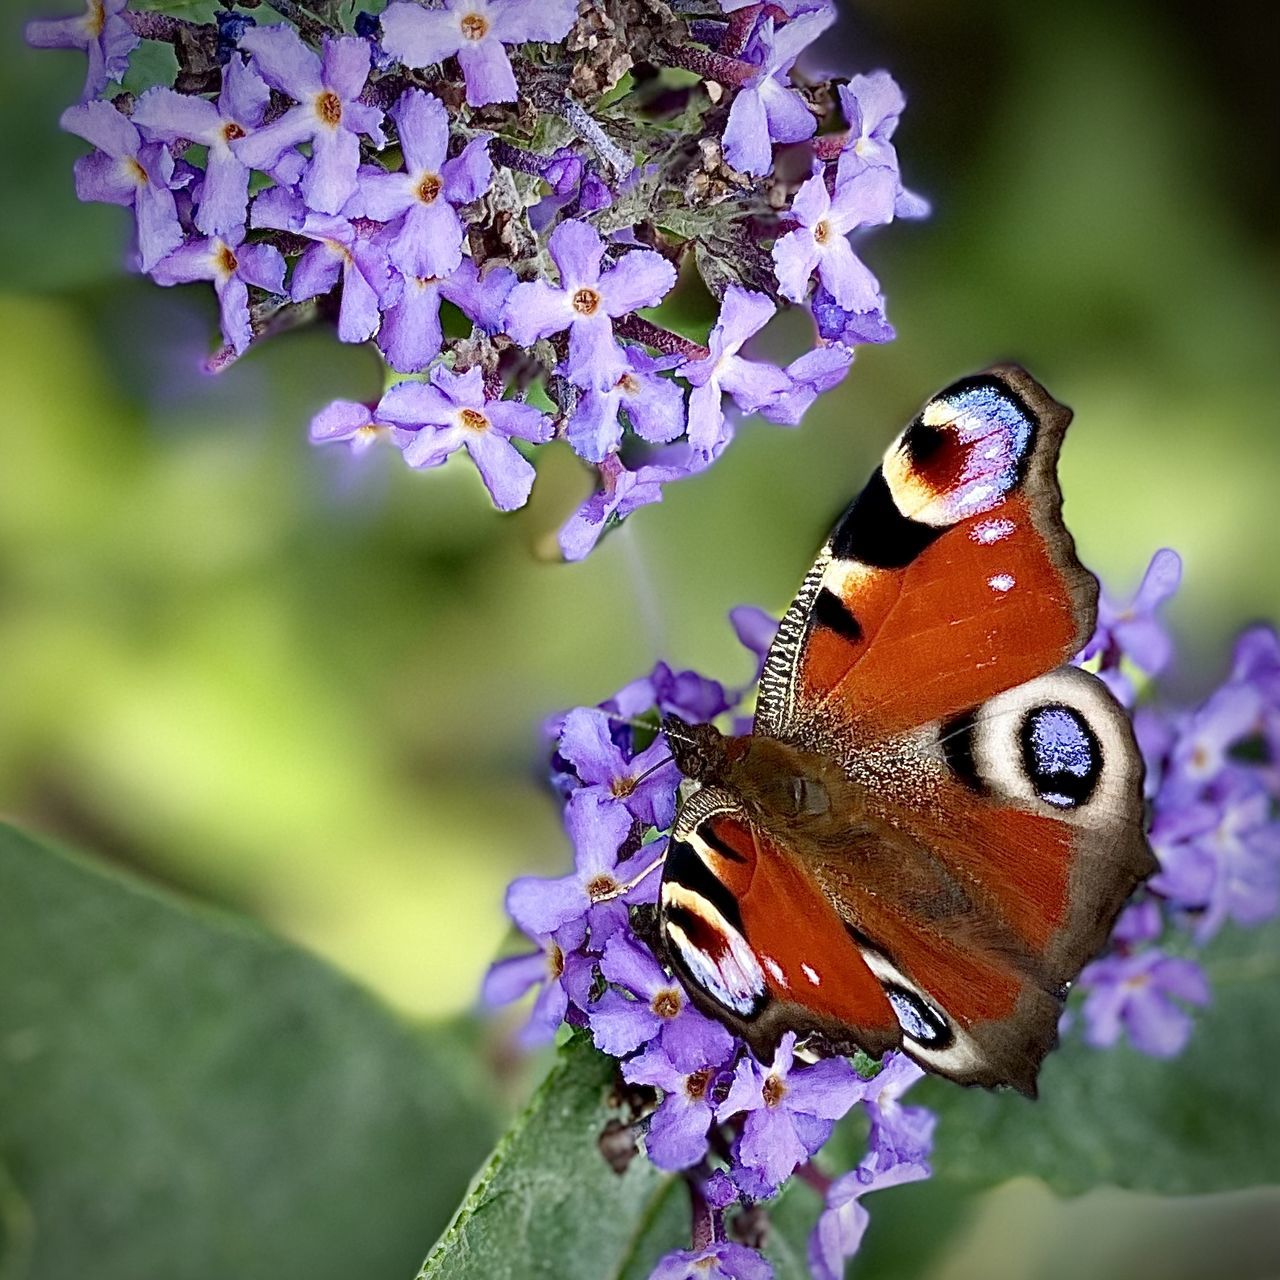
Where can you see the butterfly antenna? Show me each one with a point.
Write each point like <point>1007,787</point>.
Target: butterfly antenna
<point>652,769</point>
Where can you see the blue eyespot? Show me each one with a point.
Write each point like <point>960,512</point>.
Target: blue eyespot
<point>920,1021</point>
<point>983,409</point>
<point>1062,756</point>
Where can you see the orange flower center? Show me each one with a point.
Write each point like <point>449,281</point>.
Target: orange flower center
<point>555,960</point>
<point>473,420</point>
<point>601,887</point>
<point>329,108</point>
<point>429,188</point>
<point>225,260</point>
<point>821,232</point>
<point>137,172</point>
<point>585,302</point>
<point>231,131</point>
<point>96,18</point>
<point>629,383</point>
<point>695,1086</point>
<point>773,1091</point>
<point>474,27</point>
<point>666,1003</point>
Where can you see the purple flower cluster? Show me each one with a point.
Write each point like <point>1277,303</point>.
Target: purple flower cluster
<point>592,970</point>
<point>738,1127</point>
<point>470,187</point>
<point>1214,786</point>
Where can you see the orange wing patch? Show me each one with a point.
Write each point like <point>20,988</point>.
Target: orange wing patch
<point>984,607</point>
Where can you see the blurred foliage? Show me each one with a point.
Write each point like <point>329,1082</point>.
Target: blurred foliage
<point>311,690</point>
<point>184,1096</point>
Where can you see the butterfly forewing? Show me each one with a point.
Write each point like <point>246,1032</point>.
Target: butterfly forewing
<point>757,941</point>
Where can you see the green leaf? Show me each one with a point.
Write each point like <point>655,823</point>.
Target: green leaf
<point>184,1096</point>
<point>1190,1125</point>
<point>548,1204</point>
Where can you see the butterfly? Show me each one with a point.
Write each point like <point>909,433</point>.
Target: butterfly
<point>935,820</point>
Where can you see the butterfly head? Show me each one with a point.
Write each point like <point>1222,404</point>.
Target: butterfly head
<point>701,751</point>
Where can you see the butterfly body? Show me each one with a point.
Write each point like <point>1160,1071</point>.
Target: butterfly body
<point>934,822</point>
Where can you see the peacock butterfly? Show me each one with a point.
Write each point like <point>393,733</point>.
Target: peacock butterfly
<point>935,821</point>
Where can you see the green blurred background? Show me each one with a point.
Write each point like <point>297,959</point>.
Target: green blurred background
<point>310,690</point>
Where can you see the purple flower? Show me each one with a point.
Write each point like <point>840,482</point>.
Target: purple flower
<point>474,31</point>
<point>644,784</point>
<point>622,491</point>
<point>1133,629</point>
<point>766,109</point>
<point>328,113</point>
<point>1135,995</point>
<point>756,630</point>
<point>597,830</point>
<point>654,1007</point>
<point>850,328</point>
<point>723,1261</point>
<point>842,1224</point>
<point>811,375</point>
<point>872,105</point>
<point>1178,831</point>
<point>451,412</point>
<point>654,407</point>
<point>339,250</point>
<point>587,301</point>
<point>1204,740</point>
<point>1257,663</point>
<point>424,232</point>
<point>683,693</point>
<point>102,31</point>
<point>554,968</point>
<point>678,1130</point>
<point>790,1110</point>
<point>903,1133</point>
<point>820,243</point>
<point>350,423</point>
<point>411,337</point>
<point>752,383</point>
<point>1139,922</point>
<point>166,116</point>
<point>1243,852</point>
<point>232,265</point>
<point>123,170</point>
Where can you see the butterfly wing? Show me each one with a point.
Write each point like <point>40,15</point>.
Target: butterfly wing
<point>924,653</point>
<point>1027,816</point>
<point>756,940</point>
<point>950,578</point>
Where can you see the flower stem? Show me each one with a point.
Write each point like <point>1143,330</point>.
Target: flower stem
<point>670,344</point>
<point>709,65</point>
<point>741,24</point>
<point>708,1223</point>
<point>160,26</point>
<point>814,1177</point>
<point>307,23</point>
<point>830,145</point>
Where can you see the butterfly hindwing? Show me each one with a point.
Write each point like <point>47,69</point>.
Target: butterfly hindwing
<point>987,897</point>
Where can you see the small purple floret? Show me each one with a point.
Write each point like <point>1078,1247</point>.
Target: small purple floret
<point>474,31</point>
<point>450,412</point>
<point>101,31</point>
